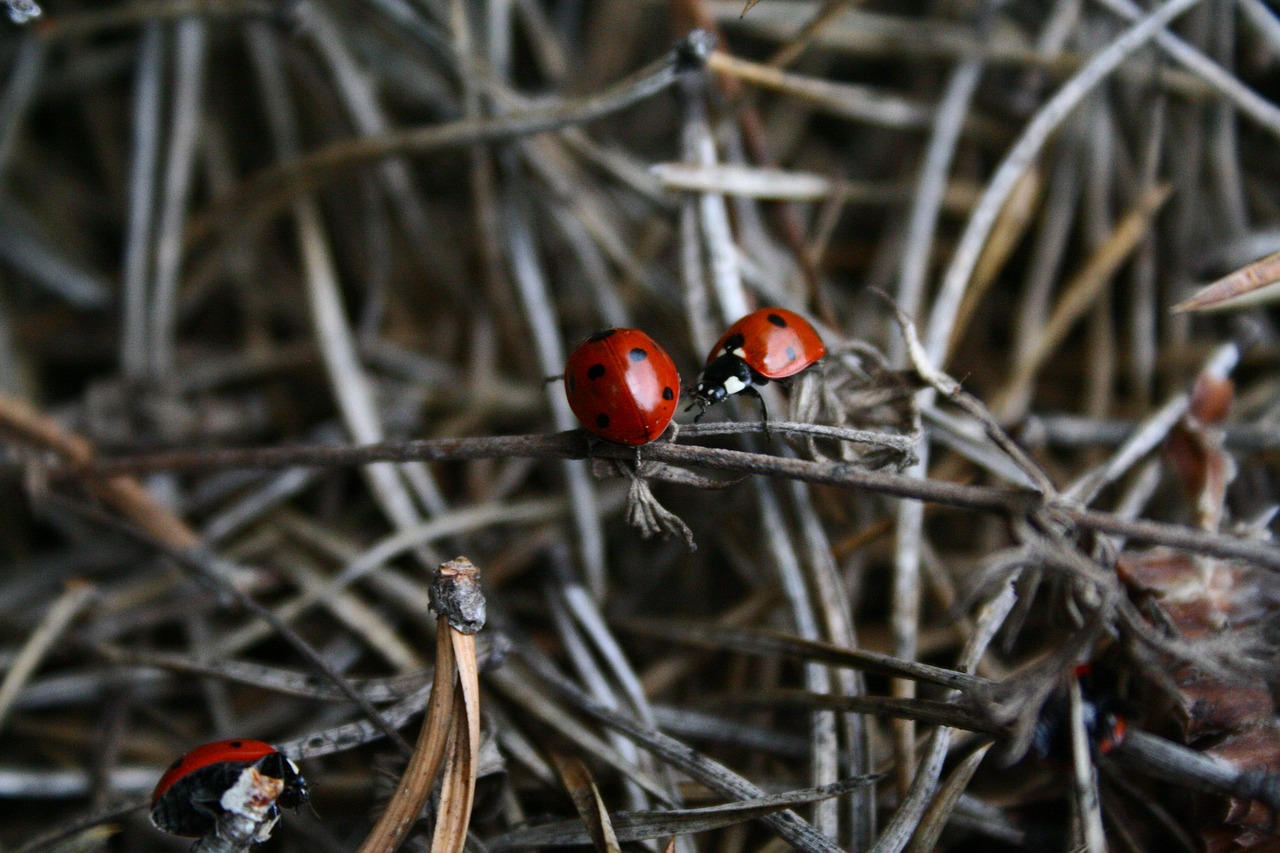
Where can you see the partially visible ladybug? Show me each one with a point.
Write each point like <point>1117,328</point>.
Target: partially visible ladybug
<point>622,386</point>
<point>188,799</point>
<point>772,343</point>
<point>1104,721</point>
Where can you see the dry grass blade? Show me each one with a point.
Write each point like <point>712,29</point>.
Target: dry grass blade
<point>857,103</point>
<point>658,824</point>
<point>788,825</point>
<point>23,424</point>
<point>451,730</point>
<point>538,705</point>
<point>944,803</point>
<point>1080,293</point>
<point>458,785</point>
<point>729,179</point>
<point>762,642</point>
<point>458,788</point>
<point>419,776</point>
<point>928,711</point>
<point>269,193</point>
<point>1015,218</point>
<point>55,622</point>
<point>582,788</point>
<point>1084,777</point>
<point>1250,285</point>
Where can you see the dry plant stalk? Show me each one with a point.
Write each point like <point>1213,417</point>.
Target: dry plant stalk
<point>23,424</point>
<point>1253,284</point>
<point>582,788</point>
<point>1081,292</point>
<point>451,731</point>
<point>79,595</point>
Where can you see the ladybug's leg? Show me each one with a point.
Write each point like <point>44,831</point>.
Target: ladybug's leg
<point>750,391</point>
<point>206,806</point>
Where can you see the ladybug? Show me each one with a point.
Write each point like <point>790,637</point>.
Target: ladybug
<point>622,386</point>
<point>772,343</point>
<point>1104,723</point>
<point>188,799</point>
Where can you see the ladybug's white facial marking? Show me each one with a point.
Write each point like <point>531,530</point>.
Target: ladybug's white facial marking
<point>740,353</point>
<point>733,385</point>
<point>253,795</point>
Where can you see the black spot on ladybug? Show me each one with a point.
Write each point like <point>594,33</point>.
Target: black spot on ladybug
<point>602,421</point>
<point>572,384</point>
<point>595,371</point>
<point>600,336</point>
<point>638,354</point>
<point>791,353</point>
<point>668,394</point>
<point>777,321</point>
<point>235,744</point>
<point>734,342</point>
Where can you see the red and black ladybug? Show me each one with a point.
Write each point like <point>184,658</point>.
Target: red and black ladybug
<point>188,799</point>
<point>772,343</point>
<point>1104,721</point>
<point>622,386</point>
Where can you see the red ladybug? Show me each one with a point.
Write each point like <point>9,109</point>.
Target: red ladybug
<point>622,386</point>
<point>772,343</point>
<point>189,796</point>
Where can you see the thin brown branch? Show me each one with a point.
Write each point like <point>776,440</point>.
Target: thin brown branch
<point>574,445</point>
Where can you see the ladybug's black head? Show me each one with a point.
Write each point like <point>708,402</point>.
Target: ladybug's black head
<point>278,766</point>
<point>725,375</point>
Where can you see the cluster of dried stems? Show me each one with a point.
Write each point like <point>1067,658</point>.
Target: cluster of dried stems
<point>280,285</point>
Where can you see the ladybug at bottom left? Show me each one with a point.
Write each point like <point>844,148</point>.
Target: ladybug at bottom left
<point>191,795</point>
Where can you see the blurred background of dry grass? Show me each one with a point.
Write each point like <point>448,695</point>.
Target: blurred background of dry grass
<point>198,252</point>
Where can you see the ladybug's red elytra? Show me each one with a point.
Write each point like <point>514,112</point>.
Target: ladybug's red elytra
<point>188,799</point>
<point>771,343</point>
<point>622,386</point>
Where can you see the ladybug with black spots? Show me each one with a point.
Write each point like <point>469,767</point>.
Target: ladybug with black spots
<point>768,344</point>
<point>622,386</point>
<point>191,795</point>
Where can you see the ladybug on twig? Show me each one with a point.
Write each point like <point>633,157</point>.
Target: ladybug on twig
<point>191,795</point>
<point>768,344</point>
<point>622,386</point>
